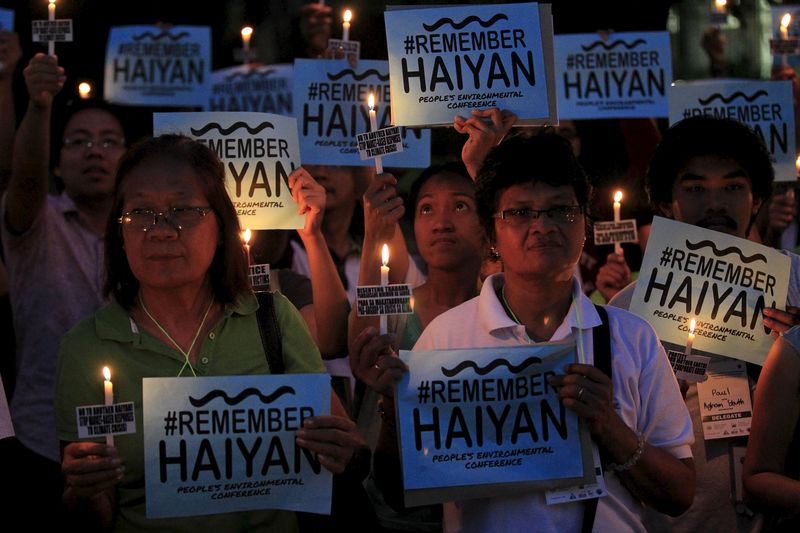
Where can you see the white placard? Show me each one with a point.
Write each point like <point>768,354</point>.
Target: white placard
<point>57,31</point>
<point>380,142</point>
<point>376,300</point>
<point>101,420</point>
<point>615,232</point>
<point>264,89</point>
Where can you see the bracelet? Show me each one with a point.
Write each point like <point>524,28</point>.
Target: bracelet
<point>632,460</point>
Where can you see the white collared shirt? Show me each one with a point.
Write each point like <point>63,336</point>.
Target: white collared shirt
<point>646,396</point>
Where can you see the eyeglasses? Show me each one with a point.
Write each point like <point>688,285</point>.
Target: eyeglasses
<point>178,218</point>
<point>85,143</point>
<point>520,216</point>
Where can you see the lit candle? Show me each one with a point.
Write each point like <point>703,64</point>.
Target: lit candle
<point>690,339</point>
<point>719,5</point>
<point>797,165</point>
<point>348,16</point>
<point>617,217</point>
<point>247,33</point>
<point>786,20</point>
<point>51,16</point>
<point>85,90</point>
<point>246,234</point>
<point>373,125</point>
<point>108,393</point>
<point>384,281</point>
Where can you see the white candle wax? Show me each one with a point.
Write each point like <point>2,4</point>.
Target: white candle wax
<point>690,339</point>
<point>373,126</point>
<point>51,16</point>
<point>617,217</point>
<point>384,281</point>
<point>108,398</point>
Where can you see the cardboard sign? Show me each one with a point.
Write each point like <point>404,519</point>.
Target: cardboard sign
<point>766,106</point>
<point>586,491</point>
<point>259,151</point>
<point>483,422</point>
<point>376,300</point>
<point>615,232</point>
<point>146,65</point>
<point>264,89</point>
<point>446,61</point>
<point>224,444</point>
<point>6,19</point>
<point>259,278</point>
<point>726,409</point>
<point>58,31</point>
<point>378,143</point>
<point>691,368</point>
<point>623,76</point>
<point>102,420</point>
<point>6,427</point>
<point>330,98</point>
<point>348,48</point>
<point>722,281</point>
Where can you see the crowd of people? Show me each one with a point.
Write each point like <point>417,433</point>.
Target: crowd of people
<point>129,251</point>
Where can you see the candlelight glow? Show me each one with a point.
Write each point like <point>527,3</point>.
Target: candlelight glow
<point>106,373</point>
<point>786,20</point>
<point>84,89</point>
<point>720,3</point>
<point>618,196</point>
<point>371,101</point>
<point>52,3</point>
<point>385,255</point>
<point>691,326</point>
<point>348,15</point>
<point>797,164</point>
<point>246,236</point>
<point>247,31</point>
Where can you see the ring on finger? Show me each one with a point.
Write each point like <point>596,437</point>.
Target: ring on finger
<point>581,388</point>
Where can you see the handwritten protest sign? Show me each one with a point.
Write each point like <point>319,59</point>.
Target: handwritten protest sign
<point>6,19</point>
<point>447,61</point>
<point>146,65</point>
<point>722,281</point>
<point>259,151</point>
<point>330,98</point>
<point>766,106</point>
<point>222,444</point>
<point>483,422</point>
<point>102,420</point>
<point>623,76</point>
<point>726,409</point>
<point>265,89</point>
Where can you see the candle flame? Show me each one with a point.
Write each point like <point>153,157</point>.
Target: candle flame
<point>411,302</point>
<point>247,31</point>
<point>85,89</point>
<point>797,163</point>
<point>385,255</point>
<point>721,3</point>
<point>107,373</point>
<point>52,2</point>
<point>691,326</point>
<point>371,101</point>
<point>618,196</point>
<point>786,19</point>
<point>348,15</point>
<point>246,234</point>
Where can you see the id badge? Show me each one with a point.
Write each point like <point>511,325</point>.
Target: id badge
<point>726,409</point>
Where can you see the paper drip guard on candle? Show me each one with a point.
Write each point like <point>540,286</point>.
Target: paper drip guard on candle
<point>719,15</point>
<point>107,419</point>
<point>617,232</point>
<point>686,365</point>
<point>784,45</point>
<point>258,274</point>
<point>373,127</point>
<point>51,31</point>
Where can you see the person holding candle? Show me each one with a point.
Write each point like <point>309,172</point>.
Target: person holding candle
<point>52,245</point>
<point>535,218</point>
<point>181,306</point>
<point>716,174</point>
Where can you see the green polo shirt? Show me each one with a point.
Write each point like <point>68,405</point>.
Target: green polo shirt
<point>232,348</point>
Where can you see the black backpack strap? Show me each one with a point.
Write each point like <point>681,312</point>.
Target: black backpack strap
<point>270,332</point>
<point>601,344</point>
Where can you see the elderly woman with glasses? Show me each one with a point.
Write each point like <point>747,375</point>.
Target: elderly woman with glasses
<point>531,196</point>
<point>181,306</point>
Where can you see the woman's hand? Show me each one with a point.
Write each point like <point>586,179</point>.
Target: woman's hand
<point>483,134</point>
<point>781,321</point>
<point>613,276</point>
<point>588,392</point>
<point>90,469</point>
<point>383,207</point>
<point>310,198</point>
<point>373,361</point>
<point>334,439</point>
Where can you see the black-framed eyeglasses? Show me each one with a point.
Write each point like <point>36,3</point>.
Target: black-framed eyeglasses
<point>177,217</point>
<point>85,143</point>
<point>518,216</point>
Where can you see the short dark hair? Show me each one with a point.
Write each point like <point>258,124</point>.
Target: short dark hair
<point>451,167</point>
<point>228,271</point>
<point>523,159</point>
<point>708,136</point>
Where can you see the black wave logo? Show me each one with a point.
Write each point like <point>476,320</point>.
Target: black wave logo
<point>469,20</point>
<point>235,126</point>
<point>216,393</point>
<point>611,46</point>
<point>248,75</point>
<point>734,96</point>
<point>725,251</point>
<point>358,77</point>
<point>482,371</point>
<point>160,36</point>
